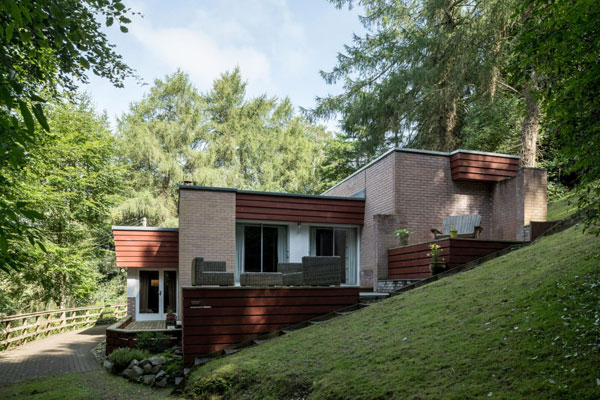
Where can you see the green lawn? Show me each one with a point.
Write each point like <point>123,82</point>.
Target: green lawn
<point>562,208</point>
<point>525,325</point>
<point>82,385</point>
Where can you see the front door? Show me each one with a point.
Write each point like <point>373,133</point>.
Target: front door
<point>157,294</point>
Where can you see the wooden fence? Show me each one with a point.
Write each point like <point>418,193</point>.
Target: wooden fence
<point>17,329</point>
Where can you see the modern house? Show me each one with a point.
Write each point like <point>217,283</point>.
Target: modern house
<point>355,220</point>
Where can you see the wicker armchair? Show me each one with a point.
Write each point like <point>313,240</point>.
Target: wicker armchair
<point>292,273</point>
<point>467,225</point>
<point>210,273</point>
<point>322,271</point>
<point>261,279</point>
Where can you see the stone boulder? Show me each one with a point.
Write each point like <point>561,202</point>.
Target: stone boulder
<point>148,379</point>
<point>108,365</point>
<point>161,383</point>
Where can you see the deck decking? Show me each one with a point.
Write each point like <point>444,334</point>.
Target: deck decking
<point>146,326</point>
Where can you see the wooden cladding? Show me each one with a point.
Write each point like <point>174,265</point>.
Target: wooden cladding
<point>299,209</point>
<point>216,318</point>
<point>147,248</point>
<point>479,167</point>
<point>412,262</point>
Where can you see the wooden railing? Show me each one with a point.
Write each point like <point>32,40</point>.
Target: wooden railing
<point>17,329</point>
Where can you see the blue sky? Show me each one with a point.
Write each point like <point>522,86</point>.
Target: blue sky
<point>279,45</point>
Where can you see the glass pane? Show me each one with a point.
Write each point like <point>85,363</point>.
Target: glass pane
<point>252,248</point>
<point>324,239</point>
<point>340,250</point>
<point>170,295</point>
<point>269,249</point>
<point>149,292</point>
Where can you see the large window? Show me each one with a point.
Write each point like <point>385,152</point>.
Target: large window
<point>260,247</point>
<point>339,242</point>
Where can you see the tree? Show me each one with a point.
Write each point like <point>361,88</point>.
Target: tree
<point>72,179</point>
<point>218,138</point>
<point>560,40</point>
<point>46,47</point>
<point>425,74</point>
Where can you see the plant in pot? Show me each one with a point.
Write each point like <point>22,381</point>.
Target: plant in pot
<point>402,235</point>
<point>437,264</point>
<point>171,318</point>
<point>453,232</point>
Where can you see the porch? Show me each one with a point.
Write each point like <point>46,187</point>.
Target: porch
<point>408,264</point>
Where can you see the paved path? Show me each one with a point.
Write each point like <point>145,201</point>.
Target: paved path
<point>53,355</point>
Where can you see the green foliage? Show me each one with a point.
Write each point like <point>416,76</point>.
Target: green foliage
<point>45,47</point>
<point>123,356</point>
<point>72,180</point>
<point>174,367</point>
<point>153,342</point>
<point>521,326</point>
<point>219,138</point>
<point>561,42</point>
<point>427,74</point>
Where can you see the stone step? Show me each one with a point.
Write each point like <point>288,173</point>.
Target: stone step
<point>202,361</point>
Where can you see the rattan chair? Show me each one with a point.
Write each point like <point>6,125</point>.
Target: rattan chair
<point>322,271</point>
<point>292,273</point>
<point>467,225</point>
<point>210,273</point>
<point>261,279</point>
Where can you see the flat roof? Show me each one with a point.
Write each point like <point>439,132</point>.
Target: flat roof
<point>143,228</point>
<point>312,196</point>
<point>426,152</point>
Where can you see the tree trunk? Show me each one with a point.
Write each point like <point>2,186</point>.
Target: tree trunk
<point>531,125</point>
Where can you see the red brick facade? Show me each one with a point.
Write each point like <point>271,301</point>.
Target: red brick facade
<point>415,190</point>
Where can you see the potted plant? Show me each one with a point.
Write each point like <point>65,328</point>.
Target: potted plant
<point>402,235</point>
<point>453,232</point>
<point>436,266</point>
<point>171,319</point>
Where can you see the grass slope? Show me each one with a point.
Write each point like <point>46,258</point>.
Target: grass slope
<point>525,325</point>
<point>562,208</point>
<point>83,385</point>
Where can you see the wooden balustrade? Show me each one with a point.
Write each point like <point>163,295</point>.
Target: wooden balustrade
<point>16,329</point>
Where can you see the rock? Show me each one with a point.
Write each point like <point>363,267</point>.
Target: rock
<point>148,379</point>
<point>157,360</point>
<point>108,365</point>
<point>156,368</point>
<point>177,356</point>
<point>129,374</point>
<point>147,368</point>
<point>133,363</point>
<point>161,383</point>
<point>178,380</point>
<point>137,371</point>
<point>160,375</point>
<point>144,362</point>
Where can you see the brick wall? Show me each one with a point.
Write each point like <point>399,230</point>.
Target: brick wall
<point>206,229</point>
<point>518,201</point>
<point>350,186</point>
<point>131,307</point>
<point>426,194</point>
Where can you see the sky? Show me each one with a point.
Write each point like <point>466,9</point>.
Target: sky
<point>279,45</point>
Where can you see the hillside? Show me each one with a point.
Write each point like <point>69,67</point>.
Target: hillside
<point>521,326</point>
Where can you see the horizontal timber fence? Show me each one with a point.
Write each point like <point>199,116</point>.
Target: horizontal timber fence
<point>18,329</point>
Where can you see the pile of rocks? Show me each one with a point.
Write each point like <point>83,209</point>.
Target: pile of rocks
<point>148,371</point>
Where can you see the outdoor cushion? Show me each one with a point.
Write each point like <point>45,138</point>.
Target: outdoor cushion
<point>467,225</point>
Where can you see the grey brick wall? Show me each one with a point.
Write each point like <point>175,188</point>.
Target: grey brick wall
<point>131,307</point>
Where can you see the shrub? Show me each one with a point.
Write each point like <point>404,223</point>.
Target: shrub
<point>154,342</point>
<point>123,356</point>
<point>174,367</point>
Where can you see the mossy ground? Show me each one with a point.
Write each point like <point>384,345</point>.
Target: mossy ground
<point>82,385</point>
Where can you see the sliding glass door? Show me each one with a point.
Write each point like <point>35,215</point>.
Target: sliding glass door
<point>339,242</point>
<point>157,294</point>
<point>260,247</point>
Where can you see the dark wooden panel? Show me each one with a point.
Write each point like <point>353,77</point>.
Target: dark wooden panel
<point>137,249</point>
<point>301,209</point>
<point>483,171</point>
<point>484,158</point>
<point>484,164</point>
<point>479,167</point>
<point>412,262</point>
<point>214,318</point>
